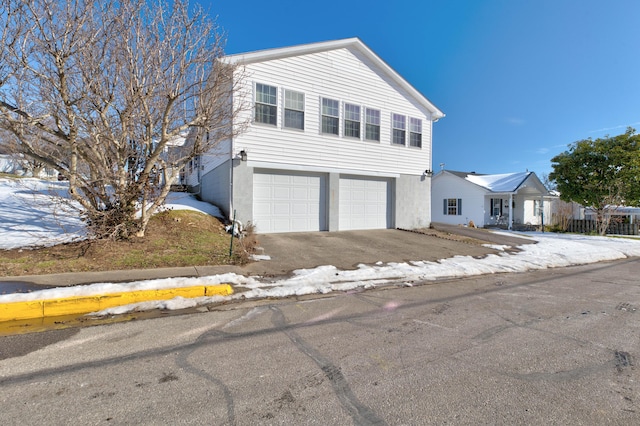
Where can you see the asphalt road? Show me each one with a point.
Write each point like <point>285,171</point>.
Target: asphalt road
<point>550,347</point>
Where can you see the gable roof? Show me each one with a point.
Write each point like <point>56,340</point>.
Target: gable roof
<point>506,182</point>
<point>349,43</point>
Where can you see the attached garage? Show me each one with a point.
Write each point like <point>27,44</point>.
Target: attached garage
<point>285,201</point>
<point>365,203</point>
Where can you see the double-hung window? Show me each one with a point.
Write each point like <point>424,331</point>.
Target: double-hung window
<point>399,129</point>
<point>266,109</point>
<point>293,109</point>
<point>352,121</point>
<point>415,132</point>
<point>372,124</point>
<point>496,207</point>
<point>330,116</point>
<point>452,206</point>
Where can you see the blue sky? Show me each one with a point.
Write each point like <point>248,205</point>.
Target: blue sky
<point>518,80</point>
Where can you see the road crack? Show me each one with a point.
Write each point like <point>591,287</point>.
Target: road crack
<point>361,414</point>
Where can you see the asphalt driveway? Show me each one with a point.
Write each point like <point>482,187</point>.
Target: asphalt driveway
<point>347,249</point>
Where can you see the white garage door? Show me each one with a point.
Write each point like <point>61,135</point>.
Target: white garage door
<point>365,203</point>
<point>288,201</point>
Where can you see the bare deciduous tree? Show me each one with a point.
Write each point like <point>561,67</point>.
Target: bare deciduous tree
<point>106,93</point>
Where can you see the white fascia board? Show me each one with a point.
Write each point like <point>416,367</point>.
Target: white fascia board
<point>305,49</point>
<point>317,169</point>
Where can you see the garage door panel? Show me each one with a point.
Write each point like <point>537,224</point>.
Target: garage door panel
<point>303,194</point>
<point>300,209</point>
<point>281,193</point>
<point>364,203</point>
<point>289,201</point>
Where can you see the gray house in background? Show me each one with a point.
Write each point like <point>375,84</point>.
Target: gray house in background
<point>338,140</point>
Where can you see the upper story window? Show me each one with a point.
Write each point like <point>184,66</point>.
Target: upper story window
<point>399,123</point>
<point>372,124</point>
<point>266,110</point>
<point>293,109</point>
<point>415,132</point>
<point>330,116</point>
<point>352,121</point>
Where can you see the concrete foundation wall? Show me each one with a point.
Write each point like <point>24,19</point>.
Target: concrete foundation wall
<point>412,202</point>
<point>242,192</point>
<point>333,215</point>
<point>215,187</point>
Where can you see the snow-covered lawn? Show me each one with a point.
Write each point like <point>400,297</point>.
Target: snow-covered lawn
<point>25,222</point>
<point>31,214</point>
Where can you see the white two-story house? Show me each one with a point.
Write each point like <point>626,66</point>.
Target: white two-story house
<point>337,141</point>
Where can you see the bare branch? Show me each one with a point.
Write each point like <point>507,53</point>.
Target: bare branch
<point>102,90</point>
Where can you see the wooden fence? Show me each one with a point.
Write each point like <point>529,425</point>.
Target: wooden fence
<point>589,226</point>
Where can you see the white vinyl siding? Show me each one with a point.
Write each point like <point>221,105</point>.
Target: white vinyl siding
<point>346,77</point>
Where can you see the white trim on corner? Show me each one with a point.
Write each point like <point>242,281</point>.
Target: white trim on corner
<point>317,169</point>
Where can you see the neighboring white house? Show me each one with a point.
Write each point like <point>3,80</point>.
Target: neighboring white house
<point>338,140</point>
<point>490,200</point>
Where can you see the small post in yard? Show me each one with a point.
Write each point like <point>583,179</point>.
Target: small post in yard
<point>233,230</point>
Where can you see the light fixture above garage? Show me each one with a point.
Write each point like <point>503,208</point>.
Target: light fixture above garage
<point>428,172</point>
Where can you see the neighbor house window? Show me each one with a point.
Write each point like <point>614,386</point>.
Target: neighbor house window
<point>496,207</point>
<point>330,116</point>
<point>293,109</point>
<point>452,206</point>
<point>415,132</point>
<point>372,124</point>
<point>266,104</point>
<point>399,129</point>
<point>352,121</point>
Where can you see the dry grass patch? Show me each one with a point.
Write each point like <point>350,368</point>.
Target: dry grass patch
<point>174,238</point>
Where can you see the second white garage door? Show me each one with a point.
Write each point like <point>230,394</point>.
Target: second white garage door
<point>289,201</point>
<point>365,203</point>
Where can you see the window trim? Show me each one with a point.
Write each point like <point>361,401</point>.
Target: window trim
<point>256,103</point>
<point>394,129</point>
<point>346,121</point>
<point>367,124</point>
<point>496,204</point>
<point>285,109</point>
<point>412,132</point>
<point>323,115</point>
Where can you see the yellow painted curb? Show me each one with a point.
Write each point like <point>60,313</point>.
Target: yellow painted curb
<point>85,304</point>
